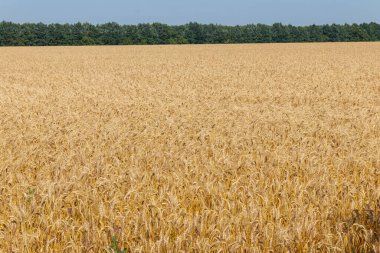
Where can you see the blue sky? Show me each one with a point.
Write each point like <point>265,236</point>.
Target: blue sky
<point>229,12</point>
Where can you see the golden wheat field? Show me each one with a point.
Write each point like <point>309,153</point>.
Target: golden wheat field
<point>208,148</point>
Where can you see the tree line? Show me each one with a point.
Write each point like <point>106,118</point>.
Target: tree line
<point>39,34</point>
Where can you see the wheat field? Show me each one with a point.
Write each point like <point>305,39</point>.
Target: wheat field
<point>207,148</point>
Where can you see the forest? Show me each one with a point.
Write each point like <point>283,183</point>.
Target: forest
<point>40,34</point>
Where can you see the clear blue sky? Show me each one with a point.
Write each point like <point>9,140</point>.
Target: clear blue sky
<point>230,12</point>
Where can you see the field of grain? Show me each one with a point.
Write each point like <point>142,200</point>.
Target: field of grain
<point>209,148</point>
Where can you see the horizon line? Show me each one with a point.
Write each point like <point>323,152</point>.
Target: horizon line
<point>190,22</point>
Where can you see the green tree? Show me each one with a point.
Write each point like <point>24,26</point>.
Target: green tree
<point>29,34</point>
